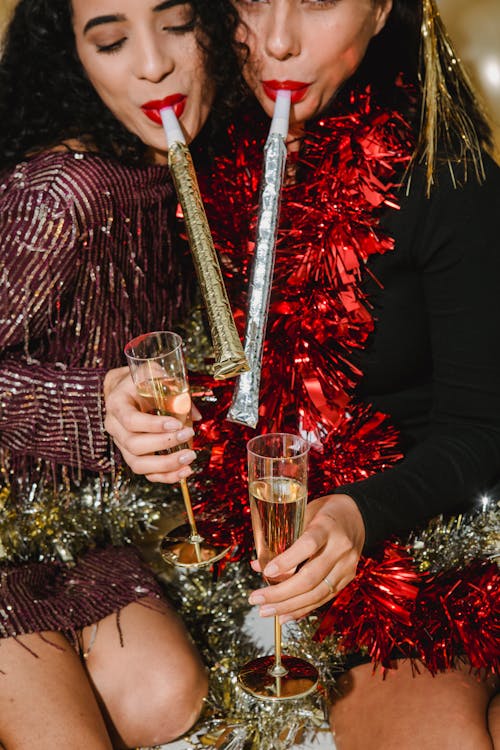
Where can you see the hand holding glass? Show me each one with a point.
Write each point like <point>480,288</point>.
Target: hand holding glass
<point>277,482</point>
<point>158,369</point>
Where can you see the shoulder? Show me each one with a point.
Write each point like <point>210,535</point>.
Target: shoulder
<point>81,181</point>
<point>461,211</point>
<point>452,185</point>
<point>56,175</point>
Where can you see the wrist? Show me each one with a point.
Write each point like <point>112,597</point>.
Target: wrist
<point>344,509</point>
<point>112,378</point>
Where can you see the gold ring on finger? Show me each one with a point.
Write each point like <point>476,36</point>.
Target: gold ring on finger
<point>329,584</point>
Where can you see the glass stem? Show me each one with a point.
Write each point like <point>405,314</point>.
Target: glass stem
<point>195,537</point>
<point>278,670</point>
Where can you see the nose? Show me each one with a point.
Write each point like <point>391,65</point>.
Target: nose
<point>282,32</point>
<point>152,59</point>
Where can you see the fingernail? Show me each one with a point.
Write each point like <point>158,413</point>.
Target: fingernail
<point>186,458</point>
<point>266,611</point>
<point>185,434</point>
<point>256,599</point>
<point>172,424</point>
<point>183,473</point>
<point>271,570</point>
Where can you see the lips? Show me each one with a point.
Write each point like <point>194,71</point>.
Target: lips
<point>152,109</point>
<point>298,89</point>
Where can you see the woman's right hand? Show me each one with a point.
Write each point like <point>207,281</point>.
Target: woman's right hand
<point>142,438</point>
<point>324,559</point>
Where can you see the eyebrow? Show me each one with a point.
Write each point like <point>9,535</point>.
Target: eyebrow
<point>119,17</point>
<point>168,4</point>
<point>100,20</point>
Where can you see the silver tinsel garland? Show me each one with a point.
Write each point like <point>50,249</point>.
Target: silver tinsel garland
<point>214,604</point>
<point>215,607</point>
<point>454,543</point>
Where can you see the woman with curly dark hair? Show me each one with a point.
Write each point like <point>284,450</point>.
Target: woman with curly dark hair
<point>91,655</point>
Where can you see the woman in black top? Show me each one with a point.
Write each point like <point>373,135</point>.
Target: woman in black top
<point>91,654</point>
<point>432,361</point>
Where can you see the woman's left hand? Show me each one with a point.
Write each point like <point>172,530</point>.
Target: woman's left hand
<point>329,549</point>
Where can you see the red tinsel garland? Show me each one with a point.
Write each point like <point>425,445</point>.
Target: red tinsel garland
<point>329,226</point>
<point>348,171</point>
<point>391,608</point>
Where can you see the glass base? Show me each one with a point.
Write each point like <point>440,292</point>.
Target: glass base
<point>300,678</point>
<point>183,550</point>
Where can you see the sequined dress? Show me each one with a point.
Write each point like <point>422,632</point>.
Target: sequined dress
<point>86,263</point>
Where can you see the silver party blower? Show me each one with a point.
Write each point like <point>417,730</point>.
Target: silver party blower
<point>245,404</point>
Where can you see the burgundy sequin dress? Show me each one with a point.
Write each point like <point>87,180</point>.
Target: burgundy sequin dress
<point>86,264</point>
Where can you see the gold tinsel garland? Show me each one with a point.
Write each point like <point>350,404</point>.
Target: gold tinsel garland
<point>50,523</point>
<point>454,543</point>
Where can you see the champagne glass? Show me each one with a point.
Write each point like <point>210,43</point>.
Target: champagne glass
<point>277,482</point>
<point>158,369</point>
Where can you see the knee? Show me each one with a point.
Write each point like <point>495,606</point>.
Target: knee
<point>183,698</point>
<point>167,706</point>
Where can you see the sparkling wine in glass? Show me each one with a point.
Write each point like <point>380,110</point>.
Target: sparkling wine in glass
<point>277,482</point>
<point>158,369</point>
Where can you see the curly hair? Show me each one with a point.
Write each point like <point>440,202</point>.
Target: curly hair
<point>46,98</point>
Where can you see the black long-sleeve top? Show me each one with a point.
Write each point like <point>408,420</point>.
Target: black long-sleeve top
<point>433,361</point>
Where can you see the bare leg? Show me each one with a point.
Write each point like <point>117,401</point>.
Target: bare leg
<point>494,721</point>
<point>407,712</point>
<point>47,702</point>
<point>151,689</point>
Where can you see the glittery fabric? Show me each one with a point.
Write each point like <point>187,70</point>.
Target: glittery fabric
<point>55,596</point>
<point>86,264</point>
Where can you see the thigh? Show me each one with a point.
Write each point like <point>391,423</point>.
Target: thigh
<point>46,700</point>
<point>494,720</point>
<point>147,673</point>
<point>411,710</point>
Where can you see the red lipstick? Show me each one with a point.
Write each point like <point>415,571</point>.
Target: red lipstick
<point>152,109</point>
<point>298,89</point>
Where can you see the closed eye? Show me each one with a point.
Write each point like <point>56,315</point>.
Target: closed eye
<point>181,28</point>
<point>113,47</point>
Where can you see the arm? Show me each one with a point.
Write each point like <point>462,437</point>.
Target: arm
<point>46,410</point>
<point>457,256</point>
<point>455,250</point>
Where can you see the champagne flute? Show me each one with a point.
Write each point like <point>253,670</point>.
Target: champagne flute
<point>156,363</point>
<point>277,482</point>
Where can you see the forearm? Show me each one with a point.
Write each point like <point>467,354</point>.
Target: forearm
<point>442,475</point>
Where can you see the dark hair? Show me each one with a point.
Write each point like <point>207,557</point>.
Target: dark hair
<point>46,98</point>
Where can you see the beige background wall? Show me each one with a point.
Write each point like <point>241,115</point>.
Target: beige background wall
<point>5,10</point>
<point>473,26</point>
